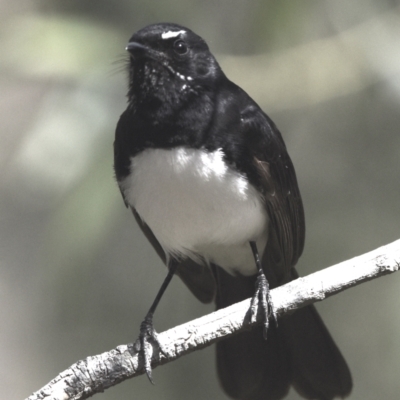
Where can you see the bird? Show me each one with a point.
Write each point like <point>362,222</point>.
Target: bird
<point>211,185</point>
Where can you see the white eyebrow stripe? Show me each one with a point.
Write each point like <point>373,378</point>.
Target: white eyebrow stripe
<point>171,34</point>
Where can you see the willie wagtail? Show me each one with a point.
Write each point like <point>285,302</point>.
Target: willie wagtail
<point>211,184</point>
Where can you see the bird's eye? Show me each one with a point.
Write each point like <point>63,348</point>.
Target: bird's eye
<point>180,47</point>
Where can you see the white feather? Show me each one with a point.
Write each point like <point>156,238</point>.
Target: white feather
<point>171,34</point>
<point>195,204</point>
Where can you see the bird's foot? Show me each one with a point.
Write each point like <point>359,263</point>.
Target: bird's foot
<point>262,298</point>
<point>147,343</point>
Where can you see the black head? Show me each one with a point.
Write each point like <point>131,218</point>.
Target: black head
<point>169,61</point>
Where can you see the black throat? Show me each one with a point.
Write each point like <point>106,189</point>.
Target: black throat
<point>168,109</point>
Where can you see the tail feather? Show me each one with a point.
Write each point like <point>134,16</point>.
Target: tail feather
<point>250,367</point>
<point>299,352</point>
<point>319,369</point>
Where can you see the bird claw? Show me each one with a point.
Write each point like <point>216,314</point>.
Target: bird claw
<point>262,298</point>
<point>147,343</point>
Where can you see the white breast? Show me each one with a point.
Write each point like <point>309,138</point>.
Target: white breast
<point>195,204</point>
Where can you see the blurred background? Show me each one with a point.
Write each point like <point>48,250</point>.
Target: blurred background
<point>76,275</point>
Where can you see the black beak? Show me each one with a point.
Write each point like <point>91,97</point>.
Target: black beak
<point>136,49</point>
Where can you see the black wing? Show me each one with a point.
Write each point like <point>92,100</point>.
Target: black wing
<point>254,145</point>
<point>278,183</point>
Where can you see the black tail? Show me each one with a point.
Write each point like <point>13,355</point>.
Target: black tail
<point>299,352</point>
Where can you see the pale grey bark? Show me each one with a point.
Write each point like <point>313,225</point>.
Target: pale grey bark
<point>97,373</point>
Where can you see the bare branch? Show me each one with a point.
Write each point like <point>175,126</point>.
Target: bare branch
<point>97,373</point>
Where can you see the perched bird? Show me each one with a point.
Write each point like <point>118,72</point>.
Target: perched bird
<point>211,184</point>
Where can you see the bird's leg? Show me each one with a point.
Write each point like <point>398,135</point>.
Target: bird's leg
<point>148,337</point>
<point>262,295</point>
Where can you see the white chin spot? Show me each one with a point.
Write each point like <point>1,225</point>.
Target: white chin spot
<point>171,34</point>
